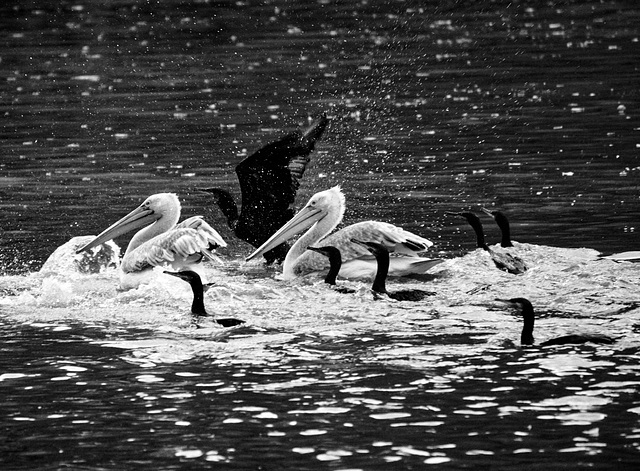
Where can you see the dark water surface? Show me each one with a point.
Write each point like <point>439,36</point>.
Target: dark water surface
<point>532,108</point>
<point>529,107</point>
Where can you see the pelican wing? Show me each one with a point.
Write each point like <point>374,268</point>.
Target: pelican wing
<point>186,243</point>
<point>203,230</point>
<point>625,256</point>
<point>394,238</point>
<point>398,266</point>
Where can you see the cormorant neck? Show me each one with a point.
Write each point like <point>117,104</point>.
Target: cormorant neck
<point>477,227</point>
<point>379,282</point>
<point>197,307</point>
<point>503,224</point>
<point>227,205</point>
<point>335,261</point>
<point>526,338</point>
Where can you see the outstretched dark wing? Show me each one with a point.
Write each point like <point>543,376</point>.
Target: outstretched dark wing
<point>269,180</point>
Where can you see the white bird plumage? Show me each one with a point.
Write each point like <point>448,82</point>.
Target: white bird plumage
<point>320,216</point>
<point>163,242</point>
<point>631,256</point>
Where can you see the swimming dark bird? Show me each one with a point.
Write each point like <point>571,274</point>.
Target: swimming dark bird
<point>503,223</point>
<point>524,306</point>
<point>269,180</point>
<point>503,260</point>
<point>381,254</point>
<point>197,307</point>
<point>335,262</point>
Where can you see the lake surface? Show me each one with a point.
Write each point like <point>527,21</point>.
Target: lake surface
<point>434,106</point>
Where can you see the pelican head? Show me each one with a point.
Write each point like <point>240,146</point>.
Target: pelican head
<point>155,207</point>
<point>326,208</point>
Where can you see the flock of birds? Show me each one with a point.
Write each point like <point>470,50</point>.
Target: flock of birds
<point>269,180</point>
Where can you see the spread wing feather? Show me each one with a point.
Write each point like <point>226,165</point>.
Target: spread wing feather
<point>269,178</point>
<point>204,231</point>
<point>394,238</point>
<point>187,242</point>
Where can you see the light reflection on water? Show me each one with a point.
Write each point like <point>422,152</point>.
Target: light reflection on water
<point>526,407</point>
<point>315,376</point>
<point>531,108</point>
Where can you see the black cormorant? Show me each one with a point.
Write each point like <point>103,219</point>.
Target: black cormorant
<point>503,223</point>
<point>269,179</point>
<point>335,261</point>
<point>524,306</point>
<point>503,260</point>
<point>197,307</point>
<point>381,254</point>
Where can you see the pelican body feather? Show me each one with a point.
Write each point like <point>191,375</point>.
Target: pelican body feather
<point>163,242</point>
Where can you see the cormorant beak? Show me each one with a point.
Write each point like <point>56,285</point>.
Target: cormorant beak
<point>212,192</point>
<point>190,277</point>
<point>487,212</point>
<point>176,274</point>
<point>509,303</point>
<point>207,286</point>
<point>139,217</point>
<point>305,218</point>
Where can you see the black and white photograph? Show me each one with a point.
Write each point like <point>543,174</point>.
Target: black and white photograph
<point>300,235</point>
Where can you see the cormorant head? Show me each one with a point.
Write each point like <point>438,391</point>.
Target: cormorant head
<point>468,215</point>
<point>374,247</point>
<point>522,304</point>
<point>327,251</point>
<point>226,203</point>
<point>189,276</point>
<point>498,216</point>
<point>524,307</point>
<point>217,193</point>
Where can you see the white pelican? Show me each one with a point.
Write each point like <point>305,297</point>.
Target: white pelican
<point>322,214</point>
<point>163,243</point>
